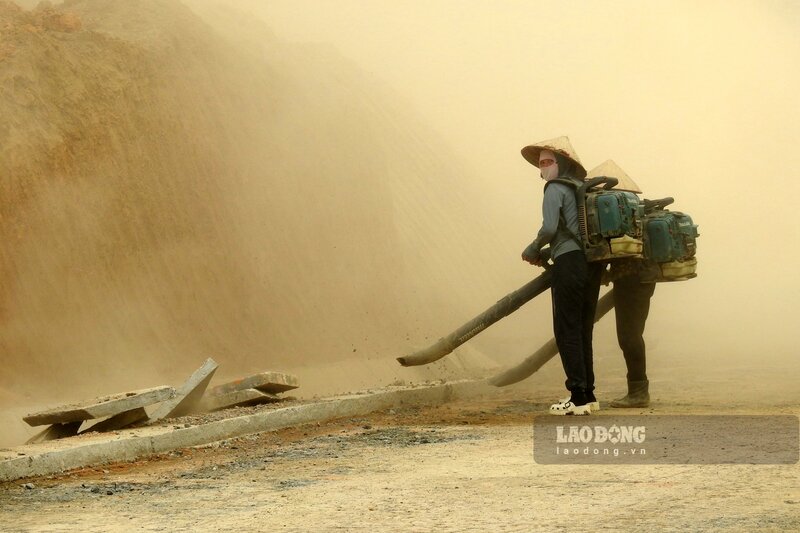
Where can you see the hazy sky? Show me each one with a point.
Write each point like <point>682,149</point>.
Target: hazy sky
<point>695,100</point>
<point>621,78</point>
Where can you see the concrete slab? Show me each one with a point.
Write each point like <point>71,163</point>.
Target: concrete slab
<point>56,431</point>
<point>272,382</point>
<point>101,407</point>
<point>188,395</point>
<point>130,444</point>
<point>119,421</point>
<point>237,398</point>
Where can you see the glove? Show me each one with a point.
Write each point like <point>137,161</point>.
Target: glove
<point>531,253</point>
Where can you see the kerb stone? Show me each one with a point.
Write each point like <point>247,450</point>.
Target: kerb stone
<point>272,382</point>
<point>237,398</point>
<point>101,407</point>
<point>188,395</point>
<point>129,445</point>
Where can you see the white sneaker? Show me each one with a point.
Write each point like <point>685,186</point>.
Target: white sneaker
<point>566,407</point>
<point>595,405</point>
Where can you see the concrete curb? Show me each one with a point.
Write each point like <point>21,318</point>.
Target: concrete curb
<point>51,458</point>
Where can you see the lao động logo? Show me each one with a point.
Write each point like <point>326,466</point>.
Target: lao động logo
<point>600,434</point>
<point>597,441</point>
<point>668,439</point>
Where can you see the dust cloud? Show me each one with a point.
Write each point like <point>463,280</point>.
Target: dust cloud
<point>695,101</point>
<point>174,191</point>
<point>320,187</point>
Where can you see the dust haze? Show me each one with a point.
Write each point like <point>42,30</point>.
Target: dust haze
<point>320,187</point>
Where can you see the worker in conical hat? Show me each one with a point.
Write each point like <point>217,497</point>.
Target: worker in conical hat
<point>575,284</point>
<point>632,293</point>
<point>565,156</point>
<point>610,169</point>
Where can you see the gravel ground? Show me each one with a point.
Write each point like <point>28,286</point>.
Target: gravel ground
<point>466,466</point>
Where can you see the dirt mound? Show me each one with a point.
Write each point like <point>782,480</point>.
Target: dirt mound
<point>45,18</point>
<point>168,192</point>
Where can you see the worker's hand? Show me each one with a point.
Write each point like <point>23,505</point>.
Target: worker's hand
<point>531,254</point>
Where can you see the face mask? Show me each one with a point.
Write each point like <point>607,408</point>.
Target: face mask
<point>549,172</point>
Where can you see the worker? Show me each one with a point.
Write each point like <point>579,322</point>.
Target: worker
<point>633,289</point>
<point>575,283</point>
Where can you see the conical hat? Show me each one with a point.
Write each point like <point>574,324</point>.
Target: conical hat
<point>610,169</point>
<point>560,145</point>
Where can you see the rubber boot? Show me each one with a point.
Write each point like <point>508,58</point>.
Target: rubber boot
<point>638,395</point>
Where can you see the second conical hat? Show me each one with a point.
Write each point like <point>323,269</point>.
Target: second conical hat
<point>610,169</point>
<point>560,145</point>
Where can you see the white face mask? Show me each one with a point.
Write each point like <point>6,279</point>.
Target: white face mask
<point>549,172</point>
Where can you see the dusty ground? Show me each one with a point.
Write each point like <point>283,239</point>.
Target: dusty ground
<point>466,466</point>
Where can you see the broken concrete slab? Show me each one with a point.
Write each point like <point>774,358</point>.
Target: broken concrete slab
<point>119,421</point>
<point>128,445</point>
<point>56,431</point>
<point>272,382</point>
<point>101,407</point>
<point>188,395</point>
<point>237,398</point>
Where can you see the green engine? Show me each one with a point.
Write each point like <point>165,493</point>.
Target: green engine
<point>670,245</point>
<point>613,221</point>
<point>610,221</point>
<point>613,214</point>
<point>618,225</point>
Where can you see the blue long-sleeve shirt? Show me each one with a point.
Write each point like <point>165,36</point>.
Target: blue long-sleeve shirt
<point>559,199</point>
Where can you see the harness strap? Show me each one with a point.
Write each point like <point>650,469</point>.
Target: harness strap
<point>562,222</point>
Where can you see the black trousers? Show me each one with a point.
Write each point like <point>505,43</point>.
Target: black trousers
<point>575,287</point>
<point>632,305</point>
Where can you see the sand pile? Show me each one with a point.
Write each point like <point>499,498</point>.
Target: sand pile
<point>172,190</point>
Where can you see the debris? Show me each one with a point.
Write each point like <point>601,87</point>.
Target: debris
<point>271,382</point>
<point>100,407</point>
<point>237,398</point>
<point>188,395</point>
<point>125,409</point>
